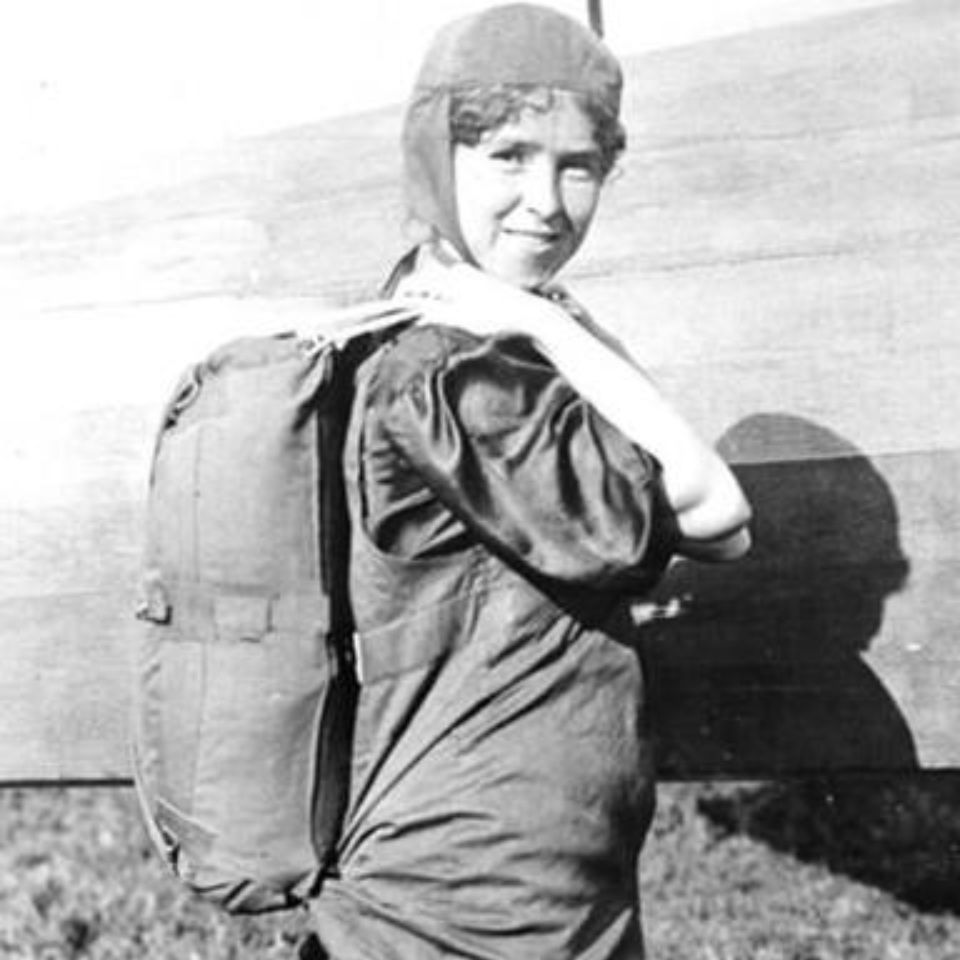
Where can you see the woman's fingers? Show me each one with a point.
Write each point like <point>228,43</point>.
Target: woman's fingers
<point>462,296</point>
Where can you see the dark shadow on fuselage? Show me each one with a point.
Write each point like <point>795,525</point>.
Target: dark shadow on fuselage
<point>760,670</point>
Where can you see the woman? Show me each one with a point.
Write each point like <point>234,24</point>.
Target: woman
<point>515,478</point>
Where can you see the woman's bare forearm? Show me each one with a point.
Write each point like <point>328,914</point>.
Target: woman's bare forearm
<point>712,512</point>
<point>711,509</point>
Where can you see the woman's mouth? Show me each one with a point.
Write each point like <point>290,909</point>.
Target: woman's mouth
<point>539,238</point>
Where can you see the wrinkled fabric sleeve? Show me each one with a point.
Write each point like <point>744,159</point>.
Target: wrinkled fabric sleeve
<point>524,461</point>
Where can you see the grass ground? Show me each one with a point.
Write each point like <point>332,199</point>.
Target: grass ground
<point>805,871</point>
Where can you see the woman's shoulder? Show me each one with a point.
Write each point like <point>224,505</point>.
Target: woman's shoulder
<point>426,344</point>
<point>421,351</point>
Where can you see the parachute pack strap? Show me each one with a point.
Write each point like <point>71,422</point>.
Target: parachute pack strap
<point>401,269</point>
<point>334,525</point>
<point>335,727</point>
<point>373,316</point>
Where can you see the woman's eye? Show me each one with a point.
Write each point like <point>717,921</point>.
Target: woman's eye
<point>585,169</point>
<point>508,157</point>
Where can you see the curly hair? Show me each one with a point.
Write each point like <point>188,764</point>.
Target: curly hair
<point>475,110</point>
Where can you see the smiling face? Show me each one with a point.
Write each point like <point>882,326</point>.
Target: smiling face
<point>527,191</point>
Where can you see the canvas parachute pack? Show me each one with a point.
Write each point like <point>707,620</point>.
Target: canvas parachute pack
<point>245,685</point>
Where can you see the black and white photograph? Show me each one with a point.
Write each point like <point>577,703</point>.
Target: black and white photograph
<point>480,480</point>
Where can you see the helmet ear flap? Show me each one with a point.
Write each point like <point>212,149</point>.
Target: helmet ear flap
<point>517,44</point>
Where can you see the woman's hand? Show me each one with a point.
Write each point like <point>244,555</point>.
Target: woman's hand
<point>463,296</point>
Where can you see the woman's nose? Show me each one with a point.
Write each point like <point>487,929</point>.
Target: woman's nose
<point>541,190</point>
